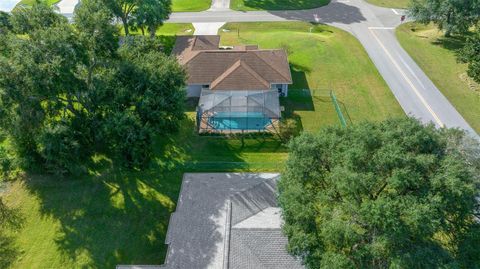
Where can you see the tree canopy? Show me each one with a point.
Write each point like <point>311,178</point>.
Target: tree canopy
<point>69,92</point>
<point>470,54</point>
<point>394,194</point>
<point>453,16</point>
<point>142,14</point>
<point>5,24</point>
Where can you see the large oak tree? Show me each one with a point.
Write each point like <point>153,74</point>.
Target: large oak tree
<point>394,194</point>
<point>68,92</point>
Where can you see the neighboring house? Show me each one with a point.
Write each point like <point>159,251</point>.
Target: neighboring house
<point>227,221</point>
<point>236,68</point>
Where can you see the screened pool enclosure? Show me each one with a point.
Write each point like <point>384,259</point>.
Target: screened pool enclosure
<point>238,111</point>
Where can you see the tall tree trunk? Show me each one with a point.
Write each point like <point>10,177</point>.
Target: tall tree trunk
<point>125,26</point>
<point>153,31</point>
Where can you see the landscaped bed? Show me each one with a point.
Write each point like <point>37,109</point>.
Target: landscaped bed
<point>249,5</point>
<point>435,54</point>
<point>116,217</point>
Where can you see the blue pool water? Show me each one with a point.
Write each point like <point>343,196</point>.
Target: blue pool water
<point>239,121</point>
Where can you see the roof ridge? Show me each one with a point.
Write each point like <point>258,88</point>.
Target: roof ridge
<point>254,186</point>
<point>222,76</point>
<point>254,73</point>
<point>270,65</point>
<point>239,63</point>
<point>230,198</point>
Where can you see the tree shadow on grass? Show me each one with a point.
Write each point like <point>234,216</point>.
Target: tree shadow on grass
<point>8,251</point>
<point>284,4</point>
<point>121,216</point>
<point>452,43</point>
<point>10,220</point>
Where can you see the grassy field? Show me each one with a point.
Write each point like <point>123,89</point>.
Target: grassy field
<point>390,3</point>
<point>167,33</point>
<point>435,54</point>
<point>121,217</point>
<point>167,29</point>
<point>177,5</point>
<point>30,2</point>
<point>325,59</point>
<point>249,5</point>
<point>190,5</point>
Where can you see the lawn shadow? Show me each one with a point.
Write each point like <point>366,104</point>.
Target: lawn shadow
<point>452,43</point>
<point>8,251</point>
<point>11,221</point>
<point>120,216</point>
<point>284,4</point>
<point>299,76</point>
<point>336,13</point>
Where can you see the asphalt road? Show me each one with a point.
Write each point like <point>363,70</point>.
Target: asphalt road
<point>374,28</point>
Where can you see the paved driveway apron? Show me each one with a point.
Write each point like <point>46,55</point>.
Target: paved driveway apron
<point>374,28</point>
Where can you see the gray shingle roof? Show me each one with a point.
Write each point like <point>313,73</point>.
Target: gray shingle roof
<point>220,223</point>
<point>260,249</point>
<point>228,220</point>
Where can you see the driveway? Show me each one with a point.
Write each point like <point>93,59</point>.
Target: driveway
<point>374,27</point>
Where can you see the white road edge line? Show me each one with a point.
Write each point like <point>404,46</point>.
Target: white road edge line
<point>439,122</point>
<point>394,11</point>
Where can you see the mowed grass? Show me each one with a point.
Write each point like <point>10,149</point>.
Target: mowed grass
<point>250,5</point>
<point>177,5</point>
<point>118,216</point>
<point>167,33</point>
<point>114,216</point>
<point>190,5</point>
<point>391,3</point>
<point>322,58</point>
<point>167,29</point>
<point>31,2</point>
<point>436,55</point>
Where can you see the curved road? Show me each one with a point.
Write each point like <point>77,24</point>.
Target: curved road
<point>374,27</point>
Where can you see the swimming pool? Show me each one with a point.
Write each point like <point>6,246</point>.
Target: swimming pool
<point>239,121</point>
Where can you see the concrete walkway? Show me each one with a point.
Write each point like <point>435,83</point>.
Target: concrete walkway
<point>218,5</point>
<point>207,28</point>
<point>211,28</point>
<point>374,27</point>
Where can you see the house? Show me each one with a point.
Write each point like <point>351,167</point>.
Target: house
<point>235,68</point>
<point>227,221</point>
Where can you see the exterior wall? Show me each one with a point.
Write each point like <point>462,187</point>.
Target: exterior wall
<point>194,90</point>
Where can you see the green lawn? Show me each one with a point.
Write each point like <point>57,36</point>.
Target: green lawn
<point>121,217</point>
<point>390,3</point>
<point>435,54</point>
<point>177,5</point>
<point>167,33</point>
<point>326,59</point>
<point>30,2</point>
<point>190,5</point>
<point>167,29</point>
<point>249,5</point>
